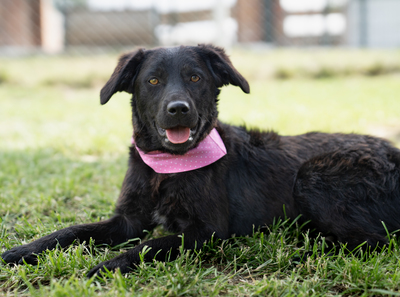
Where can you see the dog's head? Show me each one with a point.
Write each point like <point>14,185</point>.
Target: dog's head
<point>174,93</point>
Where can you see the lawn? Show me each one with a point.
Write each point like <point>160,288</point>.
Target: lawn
<point>63,158</point>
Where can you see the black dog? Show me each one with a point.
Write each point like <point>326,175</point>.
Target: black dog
<point>346,185</point>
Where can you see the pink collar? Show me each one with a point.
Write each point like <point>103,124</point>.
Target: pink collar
<point>208,151</point>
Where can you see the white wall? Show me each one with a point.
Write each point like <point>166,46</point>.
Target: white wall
<point>384,23</point>
<point>382,20</point>
<point>52,26</point>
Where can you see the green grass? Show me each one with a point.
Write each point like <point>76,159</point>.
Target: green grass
<point>63,158</point>
<point>316,63</point>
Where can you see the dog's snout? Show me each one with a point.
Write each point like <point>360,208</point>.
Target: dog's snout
<point>178,108</point>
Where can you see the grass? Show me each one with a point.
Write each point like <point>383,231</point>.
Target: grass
<point>316,63</point>
<point>63,158</point>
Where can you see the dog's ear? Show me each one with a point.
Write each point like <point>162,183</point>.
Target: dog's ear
<point>221,67</point>
<point>123,76</point>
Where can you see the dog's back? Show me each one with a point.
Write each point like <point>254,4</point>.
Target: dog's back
<point>262,173</point>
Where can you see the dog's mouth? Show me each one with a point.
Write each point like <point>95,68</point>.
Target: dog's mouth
<point>178,134</point>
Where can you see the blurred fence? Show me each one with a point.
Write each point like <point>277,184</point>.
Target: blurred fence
<point>92,26</point>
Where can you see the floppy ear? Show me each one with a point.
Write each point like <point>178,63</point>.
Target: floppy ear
<point>221,67</point>
<point>124,75</point>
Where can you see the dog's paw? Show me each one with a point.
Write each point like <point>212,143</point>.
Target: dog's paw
<point>20,255</point>
<point>122,263</point>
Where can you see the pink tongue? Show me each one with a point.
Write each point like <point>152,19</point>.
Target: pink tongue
<point>178,134</point>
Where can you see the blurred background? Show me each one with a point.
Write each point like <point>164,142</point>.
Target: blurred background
<point>93,26</point>
<point>330,65</point>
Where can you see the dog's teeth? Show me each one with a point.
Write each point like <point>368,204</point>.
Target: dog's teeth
<point>190,138</point>
<point>166,140</point>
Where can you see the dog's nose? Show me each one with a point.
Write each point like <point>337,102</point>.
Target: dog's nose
<point>177,108</point>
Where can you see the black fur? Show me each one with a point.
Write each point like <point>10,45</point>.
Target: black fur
<point>346,184</point>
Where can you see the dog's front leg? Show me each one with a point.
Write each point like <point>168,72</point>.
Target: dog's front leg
<point>128,222</point>
<point>161,249</point>
<point>114,231</point>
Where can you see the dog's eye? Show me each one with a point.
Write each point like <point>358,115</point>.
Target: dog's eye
<point>153,81</point>
<point>194,78</point>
